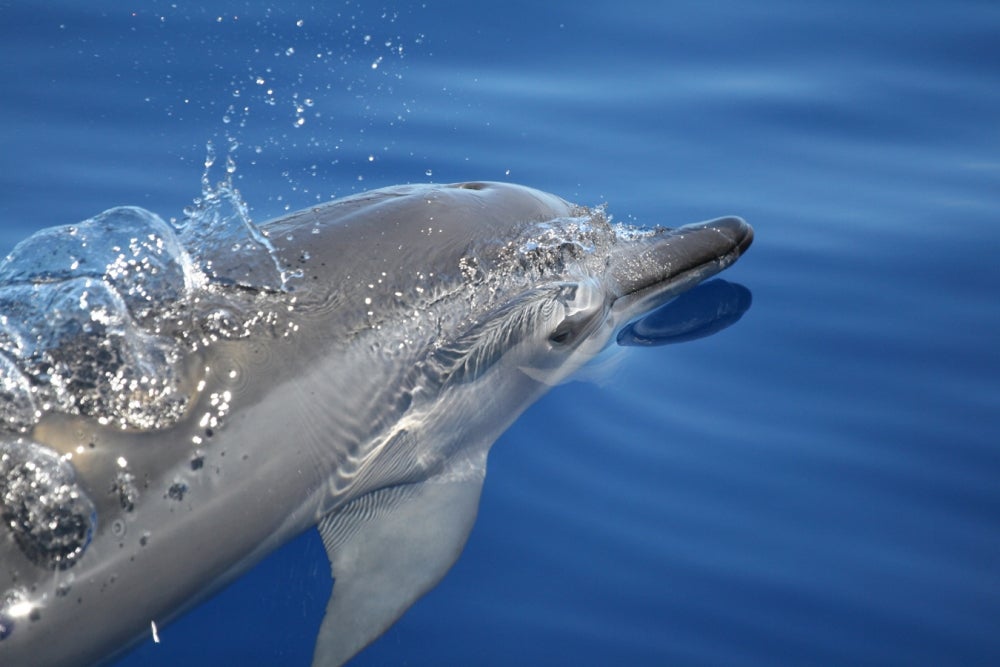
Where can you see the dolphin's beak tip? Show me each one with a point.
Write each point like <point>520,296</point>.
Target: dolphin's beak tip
<point>736,229</point>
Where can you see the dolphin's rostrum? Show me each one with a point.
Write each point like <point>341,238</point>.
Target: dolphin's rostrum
<point>177,401</point>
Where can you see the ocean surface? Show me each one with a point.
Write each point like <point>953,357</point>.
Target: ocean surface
<point>817,484</point>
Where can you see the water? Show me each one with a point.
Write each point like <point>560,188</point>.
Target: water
<point>816,484</point>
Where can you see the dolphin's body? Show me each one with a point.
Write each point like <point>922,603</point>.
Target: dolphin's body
<point>360,392</point>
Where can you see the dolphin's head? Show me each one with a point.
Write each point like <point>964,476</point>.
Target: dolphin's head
<point>490,271</point>
<point>551,284</point>
<point>642,270</point>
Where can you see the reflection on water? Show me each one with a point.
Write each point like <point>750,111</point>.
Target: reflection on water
<point>699,312</point>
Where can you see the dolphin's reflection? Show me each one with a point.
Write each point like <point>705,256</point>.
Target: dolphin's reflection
<point>697,313</point>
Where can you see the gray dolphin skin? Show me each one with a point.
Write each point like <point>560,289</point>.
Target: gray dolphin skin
<point>176,405</point>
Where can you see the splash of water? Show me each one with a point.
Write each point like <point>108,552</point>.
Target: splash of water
<point>99,318</point>
<point>228,246</point>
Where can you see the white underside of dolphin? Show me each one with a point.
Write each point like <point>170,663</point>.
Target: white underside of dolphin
<point>178,403</point>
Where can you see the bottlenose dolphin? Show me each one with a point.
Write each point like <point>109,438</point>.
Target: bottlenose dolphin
<point>169,417</point>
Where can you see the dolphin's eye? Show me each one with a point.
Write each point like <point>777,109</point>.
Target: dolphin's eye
<point>561,335</point>
<point>572,328</point>
<point>583,310</point>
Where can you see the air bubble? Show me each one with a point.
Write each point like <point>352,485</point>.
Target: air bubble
<point>51,518</point>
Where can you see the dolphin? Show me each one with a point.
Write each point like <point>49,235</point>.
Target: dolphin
<point>169,418</point>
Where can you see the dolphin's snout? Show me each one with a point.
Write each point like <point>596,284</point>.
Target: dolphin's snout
<point>691,246</point>
<point>655,268</point>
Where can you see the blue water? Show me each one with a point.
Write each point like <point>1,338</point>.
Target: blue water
<point>817,484</point>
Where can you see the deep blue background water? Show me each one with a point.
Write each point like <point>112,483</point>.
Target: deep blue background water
<point>817,484</point>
